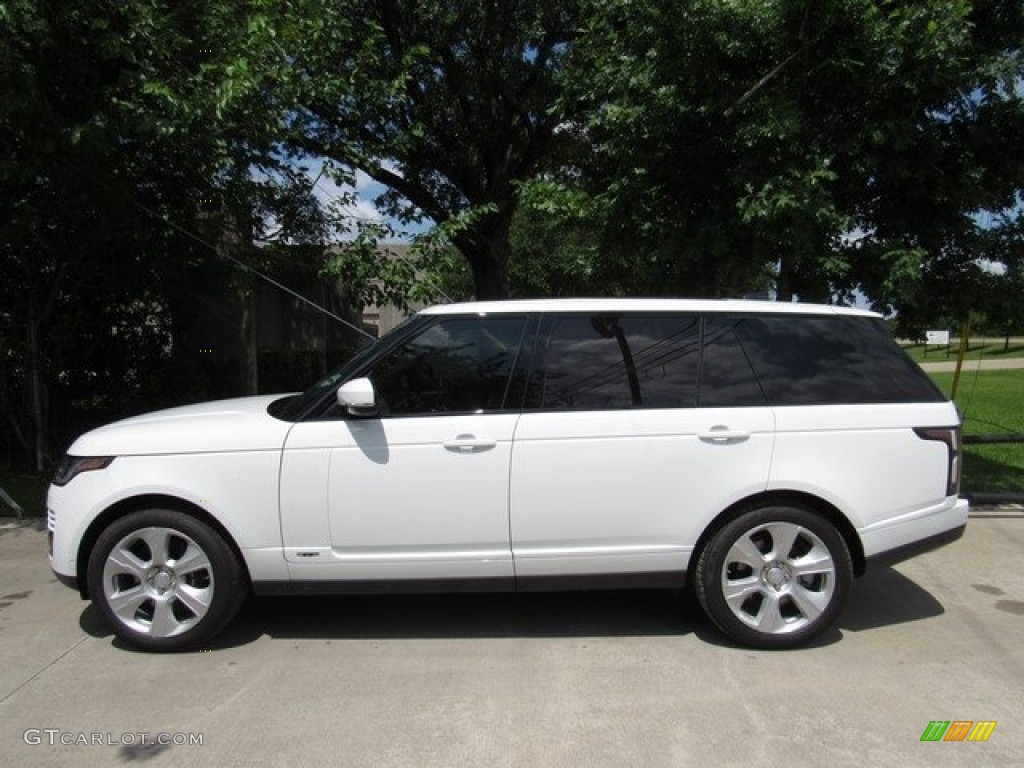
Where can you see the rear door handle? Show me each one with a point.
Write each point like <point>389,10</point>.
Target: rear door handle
<point>721,434</point>
<point>469,444</point>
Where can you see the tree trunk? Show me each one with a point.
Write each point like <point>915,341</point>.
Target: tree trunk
<point>39,311</point>
<point>250,338</point>
<point>487,249</point>
<point>490,279</point>
<point>784,285</point>
<point>35,382</point>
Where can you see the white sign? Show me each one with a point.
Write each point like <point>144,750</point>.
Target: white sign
<point>936,337</point>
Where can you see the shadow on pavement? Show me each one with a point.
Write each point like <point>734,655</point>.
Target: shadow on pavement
<point>882,598</point>
<point>556,614</point>
<point>92,622</point>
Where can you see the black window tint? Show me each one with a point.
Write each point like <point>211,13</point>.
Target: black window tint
<point>633,361</point>
<point>726,378</point>
<point>457,365</point>
<point>817,360</point>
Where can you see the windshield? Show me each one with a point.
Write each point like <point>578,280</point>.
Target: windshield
<point>296,407</point>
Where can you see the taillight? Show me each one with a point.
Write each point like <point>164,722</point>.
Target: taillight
<point>951,437</point>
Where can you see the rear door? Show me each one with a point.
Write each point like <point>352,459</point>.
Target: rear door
<point>639,428</point>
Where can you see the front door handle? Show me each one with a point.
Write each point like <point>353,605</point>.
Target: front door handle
<point>469,444</point>
<point>723,435</point>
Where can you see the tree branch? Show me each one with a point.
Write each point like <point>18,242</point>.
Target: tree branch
<point>412,192</point>
<point>761,83</point>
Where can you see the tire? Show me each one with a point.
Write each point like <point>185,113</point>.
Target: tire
<point>775,577</point>
<point>165,581</point>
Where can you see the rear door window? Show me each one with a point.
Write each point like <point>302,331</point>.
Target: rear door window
<point>726,376</point>
<point>608,362</point>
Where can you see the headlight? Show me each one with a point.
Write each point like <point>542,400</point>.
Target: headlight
<point>71,466</point>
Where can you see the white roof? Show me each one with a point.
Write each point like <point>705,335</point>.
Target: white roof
<point>644,305</point>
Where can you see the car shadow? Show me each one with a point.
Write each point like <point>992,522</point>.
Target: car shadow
<point>504,615</point>
<point>884,597</point>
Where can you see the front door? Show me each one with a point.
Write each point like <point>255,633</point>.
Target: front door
<point>419,491</point>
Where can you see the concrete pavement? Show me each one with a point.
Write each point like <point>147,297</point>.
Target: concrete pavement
<point>948,366</point>
<point>574,679</point>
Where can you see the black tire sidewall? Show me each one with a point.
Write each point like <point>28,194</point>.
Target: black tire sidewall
<point>712,561</point>
<point>229,583</point>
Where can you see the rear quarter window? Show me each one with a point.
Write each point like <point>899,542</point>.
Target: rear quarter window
<point>801,360</point>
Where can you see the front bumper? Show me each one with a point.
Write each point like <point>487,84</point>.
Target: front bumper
<point>67,580</point>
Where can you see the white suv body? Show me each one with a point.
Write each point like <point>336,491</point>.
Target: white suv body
<point>766,451</point>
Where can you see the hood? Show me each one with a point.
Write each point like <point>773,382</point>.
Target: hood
<point>242,424</point>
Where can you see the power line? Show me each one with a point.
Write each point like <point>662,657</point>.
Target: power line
<point>253,270</point>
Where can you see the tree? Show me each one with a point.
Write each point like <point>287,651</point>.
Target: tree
<point>129,132</point>
<point>447,104</point>
<point>1001,301</point>
<point>836,144</point>
<point>67,184</point>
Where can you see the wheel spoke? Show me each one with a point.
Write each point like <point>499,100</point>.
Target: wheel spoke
<point>196,600</point>
<point>125,604</point>
<point>817,561</point>
<point>783,537</point>
<point>769,618</point>
<point>164,623</point>
<point>737,592</point>
<point>193,559</point>
<point>157,540</point>
<point>746,552</point>
<point>122,560</point>
<point>810,603</point>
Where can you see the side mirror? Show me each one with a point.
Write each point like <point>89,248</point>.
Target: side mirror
<point>357,398</point>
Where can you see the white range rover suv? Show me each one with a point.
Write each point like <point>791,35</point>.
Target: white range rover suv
<point>761,452</point>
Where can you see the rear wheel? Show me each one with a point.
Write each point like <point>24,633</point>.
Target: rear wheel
<point>775,577</point>
<point>164,580</point>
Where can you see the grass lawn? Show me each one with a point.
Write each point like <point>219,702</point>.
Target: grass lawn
<point>991,402</point>
<point>980,348</point>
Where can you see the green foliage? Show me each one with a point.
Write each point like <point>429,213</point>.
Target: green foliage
<point>448,105</point>
<point>707,148</point>
<point>117,119</point>
<point>845,143</point>
<point>554,249</point>
<point>1004,288</point>
<point>372,275</point>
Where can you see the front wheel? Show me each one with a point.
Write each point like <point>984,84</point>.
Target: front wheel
<point>775,577</point>
<point>164,580</point>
